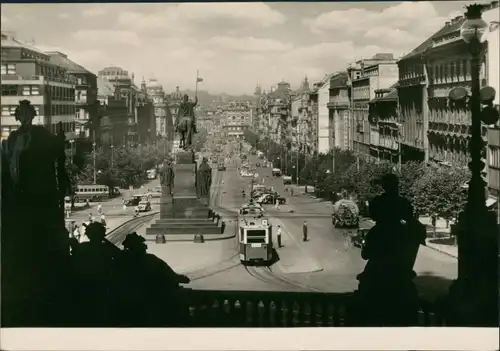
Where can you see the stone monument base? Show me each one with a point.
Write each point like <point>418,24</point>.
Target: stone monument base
<point>183,212</point>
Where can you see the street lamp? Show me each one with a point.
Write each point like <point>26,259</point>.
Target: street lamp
<point>473,299</point>
<point>94,161</point>
<point>71,142</point>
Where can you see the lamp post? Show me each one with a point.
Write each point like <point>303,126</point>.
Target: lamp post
<point>71,143</point>
<point>473,299</point>
<point>94,161</point>
<point>112,155</point>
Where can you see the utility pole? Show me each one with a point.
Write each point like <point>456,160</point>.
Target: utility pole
<point>399,146</point>
<point>297,166</point>
<point>94,157</point>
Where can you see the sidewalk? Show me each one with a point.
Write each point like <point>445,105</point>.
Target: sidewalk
<point>292,256</point>
<point>442,242</point>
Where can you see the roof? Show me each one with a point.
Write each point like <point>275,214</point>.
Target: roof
<point>105,88</point>
<point>62,60</point>
<point>10,42</point>
<point>338,80</point>
<point>447,28</point>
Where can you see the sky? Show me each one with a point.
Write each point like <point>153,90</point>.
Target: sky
<point>233,45</point>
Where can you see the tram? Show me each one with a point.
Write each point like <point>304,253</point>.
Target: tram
<point>255,235</point>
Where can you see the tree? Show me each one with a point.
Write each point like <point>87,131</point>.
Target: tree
<point>440,190</point>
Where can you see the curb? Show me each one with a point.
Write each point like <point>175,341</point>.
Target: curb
<point>440,250</point>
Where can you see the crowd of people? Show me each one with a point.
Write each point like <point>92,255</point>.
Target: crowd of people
<point>123,287</point>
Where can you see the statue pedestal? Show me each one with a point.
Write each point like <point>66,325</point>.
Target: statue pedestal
<point>184,213</point>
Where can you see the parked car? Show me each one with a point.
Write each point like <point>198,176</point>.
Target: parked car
<point>271,199</point>
<point>144,206</point>
<point>287,179</point>
<point>276,172</point>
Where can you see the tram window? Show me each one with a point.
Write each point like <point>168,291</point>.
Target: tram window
<point>256,233</point>
<point>256,240</point>
<point>242,234</point>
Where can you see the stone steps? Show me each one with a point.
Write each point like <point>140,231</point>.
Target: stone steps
<point>185,229</point>
<point>184,221</point>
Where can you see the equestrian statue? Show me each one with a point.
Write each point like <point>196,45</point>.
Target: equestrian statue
<point>185,123</point>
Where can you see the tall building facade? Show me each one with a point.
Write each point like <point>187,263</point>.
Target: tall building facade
<point>86,117</point>
<point>163,117</point>
<point>379,72</point>
<point>28,74</point>
<point>338,107</point>
<point>238,118</point>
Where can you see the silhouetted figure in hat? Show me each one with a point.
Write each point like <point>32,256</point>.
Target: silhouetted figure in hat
<point>149,288</point>
<point>94,275</point>
<point>386,294</point>
<point>34,240</point>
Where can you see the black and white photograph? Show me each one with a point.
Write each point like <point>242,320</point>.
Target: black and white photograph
<point>250,165</point>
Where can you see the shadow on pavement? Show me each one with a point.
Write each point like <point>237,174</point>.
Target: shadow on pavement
<point>432,286</point>
<point>443,241</point>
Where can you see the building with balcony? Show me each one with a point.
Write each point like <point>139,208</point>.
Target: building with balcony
<point>238,118</point>
<point>125,90</point>
<point>28,74</point>
<point>163,118</point>
<point>324,120</point>
<point>383,113</point>
<point>145,115</point>
<point>301,112</point>
<point>85,95</point>
<point>339,108</point>
<point>113,114</point>
<point>379,72</point>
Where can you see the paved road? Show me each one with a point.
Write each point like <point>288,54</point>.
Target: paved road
<point>340,261</point>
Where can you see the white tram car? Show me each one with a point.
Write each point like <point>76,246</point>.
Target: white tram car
<point>255,235</point>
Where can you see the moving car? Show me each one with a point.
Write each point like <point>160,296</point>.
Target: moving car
<point>155,193</point>
<point>133,201</point>
<point>271,199</point>
<point>276,172</point>
<point>287,179</point>
<point>144,206</point>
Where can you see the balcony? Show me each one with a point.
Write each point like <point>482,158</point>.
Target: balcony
<point>212,308</point>
<point>80,102</point>
<point>494,137</point>
<point>9,78</point>
<point>338,102</point>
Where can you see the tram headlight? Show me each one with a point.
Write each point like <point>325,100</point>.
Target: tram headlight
<point>264,222</point>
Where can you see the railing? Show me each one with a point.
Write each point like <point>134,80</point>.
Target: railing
<point>7,77</point>
<point>209,308</point>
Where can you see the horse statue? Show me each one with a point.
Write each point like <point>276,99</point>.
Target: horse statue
<point>186,122</point>
<point>185,129</point>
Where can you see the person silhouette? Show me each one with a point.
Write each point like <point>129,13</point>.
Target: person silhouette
<point>150,287</point>
<point>94,265</point>
<point>386,291</point>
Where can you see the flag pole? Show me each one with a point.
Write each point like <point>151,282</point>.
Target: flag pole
<point>196,89</point>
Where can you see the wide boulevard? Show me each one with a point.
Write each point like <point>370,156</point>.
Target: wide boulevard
<point>327,262</point>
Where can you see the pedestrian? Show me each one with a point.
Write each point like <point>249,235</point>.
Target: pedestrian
<point>83,233</point>
<point>76,232</point>
<point>278,236</point>
<point>103,219</point>
<point>99,208</point>
<point>277,204</point>
<point>87,203</point>
<point>291,192</point>
<point>304,232</point>
<point>90,217</point>
<point>136,210</point>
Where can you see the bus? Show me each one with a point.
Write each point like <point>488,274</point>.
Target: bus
<point>94,193</point>
<point>152,173</point>
<point>255,235</point>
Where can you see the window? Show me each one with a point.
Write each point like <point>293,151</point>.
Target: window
<point>9,90</point>
<point>26,90</point>
<point>8,69</point>
<point>35,90</point>
<point>79,80</point>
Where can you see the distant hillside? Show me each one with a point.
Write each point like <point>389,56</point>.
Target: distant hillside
<point>205,98</point>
